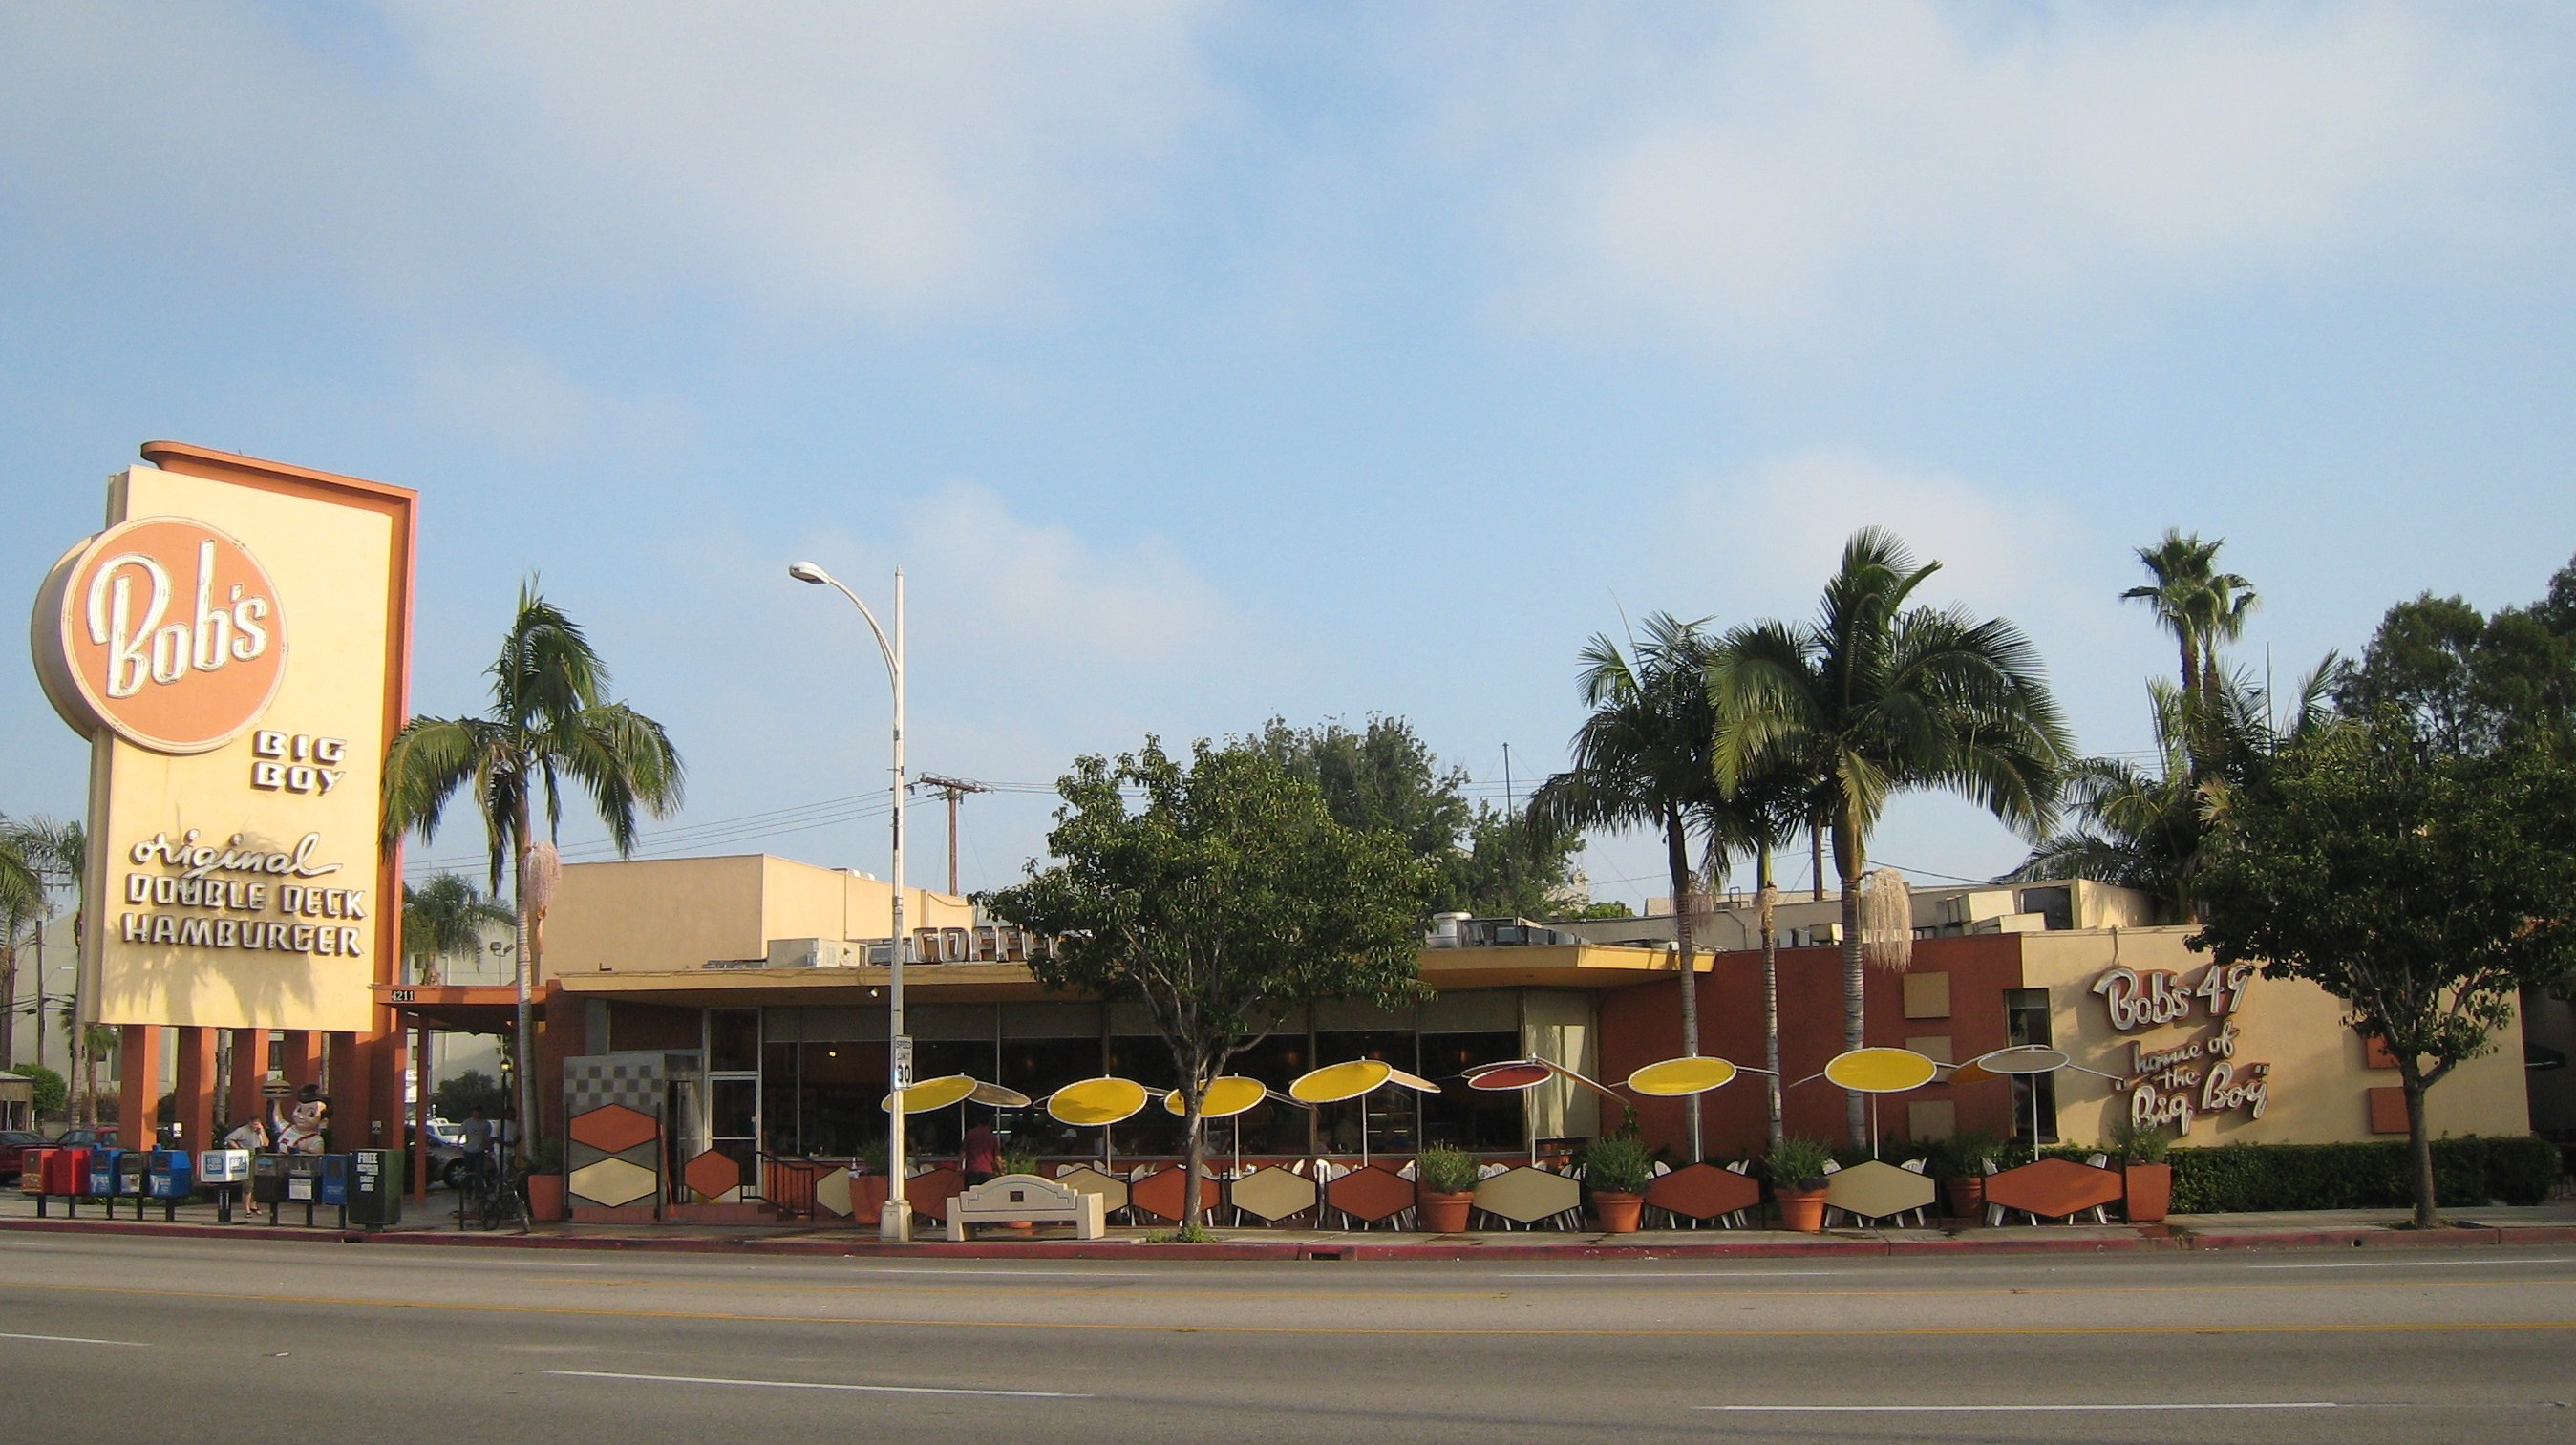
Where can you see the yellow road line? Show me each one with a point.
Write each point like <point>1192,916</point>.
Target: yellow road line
<point>1098,1326</point>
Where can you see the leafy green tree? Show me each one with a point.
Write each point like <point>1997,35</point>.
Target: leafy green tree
<point>1384,778</point>
<point>2462,682</point>
<point>1224,895</point>
<point>443,918</point>
<point>1880,695</point>
<point>550,721</point>
<point>21,907</point>
<point>467,1092</point>
<point>2422,889</point>
<point>1645,758</point>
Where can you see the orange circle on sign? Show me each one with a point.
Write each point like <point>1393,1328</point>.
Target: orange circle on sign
<point>169,632</point>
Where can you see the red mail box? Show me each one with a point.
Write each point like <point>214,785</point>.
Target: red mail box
<point>67,1170</point>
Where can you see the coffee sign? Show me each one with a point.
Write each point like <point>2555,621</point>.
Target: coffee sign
<point>165,630</point>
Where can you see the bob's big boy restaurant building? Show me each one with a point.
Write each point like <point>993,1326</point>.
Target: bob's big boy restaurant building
<point>235,643</point>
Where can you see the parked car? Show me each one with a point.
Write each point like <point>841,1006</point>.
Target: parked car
<point>102,1137</point>
<point>14,1144</point>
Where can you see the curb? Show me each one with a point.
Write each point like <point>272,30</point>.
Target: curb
<point>1980,1242</point>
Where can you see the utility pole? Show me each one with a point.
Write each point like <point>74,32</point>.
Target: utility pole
<point>952,789</point>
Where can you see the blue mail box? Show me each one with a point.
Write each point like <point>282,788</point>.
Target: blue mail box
<point>171,1174</point>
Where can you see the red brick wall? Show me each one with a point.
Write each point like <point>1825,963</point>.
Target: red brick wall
<point>1641,1025</point>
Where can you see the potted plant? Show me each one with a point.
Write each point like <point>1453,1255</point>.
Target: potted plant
<point>1615,1171</point>
<point>1444,1188</point>
<point>1797,1170</point>
<point>1960,1163</point>
<point>1018,1160</point>
<point>868,1184</point>
<point>545,1181</point>
<point>2149,1179</point>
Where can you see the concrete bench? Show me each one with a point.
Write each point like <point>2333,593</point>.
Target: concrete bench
<point>1026,1199</point>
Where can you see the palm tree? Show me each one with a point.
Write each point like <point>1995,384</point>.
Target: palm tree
<point>550,721</point>
<point>1876,697</point>
<point>1765,811</point>
<point>54,855</point>
<point>2201,606</point>
<point>445,917</point>
<point>1643,758</point>
<point>21,904</point>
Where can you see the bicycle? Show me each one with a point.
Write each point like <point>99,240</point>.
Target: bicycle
<point>492,1195</point>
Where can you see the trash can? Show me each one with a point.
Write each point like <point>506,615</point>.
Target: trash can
<point>375,1188</point>
<point>268,1179</point>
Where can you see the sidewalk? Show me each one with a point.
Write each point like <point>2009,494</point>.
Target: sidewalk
<point>2550,1224</point>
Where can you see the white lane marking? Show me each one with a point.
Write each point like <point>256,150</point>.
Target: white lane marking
<point>78,1340</point>
<point>820,1385</point>
<point>1625,1276</point>
<point>2035,1409</point>
<point>2421,1264</point>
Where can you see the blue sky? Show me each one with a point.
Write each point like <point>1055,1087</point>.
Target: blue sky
<point>1204,362</point>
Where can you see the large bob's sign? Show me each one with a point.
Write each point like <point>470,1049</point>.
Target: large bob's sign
<point>235,644</point>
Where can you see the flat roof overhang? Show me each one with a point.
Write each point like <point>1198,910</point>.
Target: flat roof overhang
<point>480,1008</point>
<point>1578,966</point>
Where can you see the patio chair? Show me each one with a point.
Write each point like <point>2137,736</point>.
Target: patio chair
<point>1995,1213</point>
<point>1831,1167</point>
<point>1737,1220</point>
<point>2099,1161</point>
<point>1922,1213</point>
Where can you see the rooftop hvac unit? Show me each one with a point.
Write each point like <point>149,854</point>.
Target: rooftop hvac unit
<point>1824,933</point>
<point>808,953</point>
<point>1956,909</point>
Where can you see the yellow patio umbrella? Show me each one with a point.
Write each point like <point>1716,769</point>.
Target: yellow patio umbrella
<point>1097,1104</point>
<point>1876,1071</point>
<point>939,1093</point>
<point>1335,1083</point>
<point>1228,1097</point>
<point>1680,1078</point>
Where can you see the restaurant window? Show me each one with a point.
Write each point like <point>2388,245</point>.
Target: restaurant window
<point>733,1040</point>
<point>1391,1115</point>
<point>943,1131</point>
<point>733,1089</point>
<point>1037,1068</point>
<point>840,1091</point>
<point>1272,1127</point>
<point>1155,1130</point>
<point>2026,1024</point>
<point>1464,1117</point>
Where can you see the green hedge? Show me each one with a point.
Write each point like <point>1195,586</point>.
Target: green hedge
<point>2467,1172</point>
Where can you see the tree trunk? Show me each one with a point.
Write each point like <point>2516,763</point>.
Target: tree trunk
<point>1816,862</point>
<point>1847,863</point>
<point>2191,688</point>
<point>1194,1129</point>
<point>9,1010</point>
<point>2419,1150</point>
<point>1770,993</point>
<point>524,1090</point>
<point>1677,858</point>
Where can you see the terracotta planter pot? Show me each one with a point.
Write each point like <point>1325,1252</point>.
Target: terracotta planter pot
<point>1801,1209</point>
<point>546,1197</point>
<point>1967,1196</point>
<point>1443,1213</point>
<point>2150,1192</point>
<point>1617,1213</point>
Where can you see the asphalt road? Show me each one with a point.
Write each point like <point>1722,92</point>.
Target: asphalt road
<point>119,1339</point>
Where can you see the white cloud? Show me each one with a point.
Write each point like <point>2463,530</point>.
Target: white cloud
<point>877,159</point>
<point>1822,163</point>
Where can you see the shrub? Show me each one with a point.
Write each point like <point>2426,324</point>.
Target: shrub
<point>1797,1163</point>
<point>1617,1165</point>
<point>1019,1161</point>
<point>1447,1170</point>
<point>468,1091</point>
<point>51,1092</point>
<point>2467,1171</point>
<point>2134,1143</point>
<point>1963,1155</point>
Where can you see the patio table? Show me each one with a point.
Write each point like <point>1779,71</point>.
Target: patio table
<point>1703,1191</point>
<point>2055,1188</point>
<point>1876,1189</point>
<point>1272,1194</point>
<point>1525,1196</point>
<point>1111,1189</point>
<point>1371,1193</point>
<point>1161,1193</point>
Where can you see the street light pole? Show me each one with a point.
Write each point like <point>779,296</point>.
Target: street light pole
<point>896,1223</point>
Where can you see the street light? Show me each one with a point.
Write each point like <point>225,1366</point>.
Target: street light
<point>896,1223</point>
